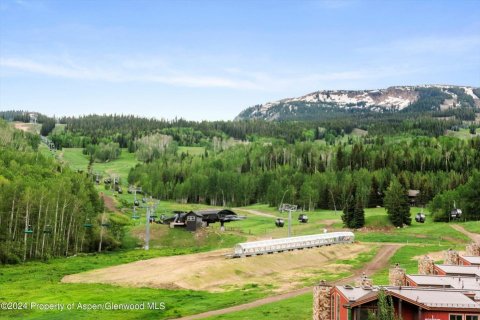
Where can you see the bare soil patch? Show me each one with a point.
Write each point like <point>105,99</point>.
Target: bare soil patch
<point>109,203</point>
<point>211,271</point>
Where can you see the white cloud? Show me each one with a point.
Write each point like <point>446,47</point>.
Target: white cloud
<point>159,71</point>
<point>123,72</point>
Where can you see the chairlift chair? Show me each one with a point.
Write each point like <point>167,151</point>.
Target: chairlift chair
<point>420,217</point>
<point>279,223</point>
<point>303,218</point>
<point>88,223</point>
<point>29,229</point>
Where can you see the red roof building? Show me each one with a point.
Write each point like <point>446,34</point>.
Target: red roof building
<point>411,303</point>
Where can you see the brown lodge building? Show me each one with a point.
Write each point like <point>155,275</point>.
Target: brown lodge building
<point>438,292</point>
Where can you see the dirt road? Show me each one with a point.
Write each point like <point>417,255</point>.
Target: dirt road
<point>474,236</point>
<point>380,261</point>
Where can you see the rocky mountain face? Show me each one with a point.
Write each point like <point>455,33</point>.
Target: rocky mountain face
<point>392,99</point>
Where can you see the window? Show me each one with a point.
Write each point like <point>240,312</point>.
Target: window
<point>471,317</point>
<point>338,307</point>
<point>456,317</point>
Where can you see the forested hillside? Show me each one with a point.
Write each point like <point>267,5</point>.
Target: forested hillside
<point>311,174</point>
<point>43,206</point>
<point>125,130</point>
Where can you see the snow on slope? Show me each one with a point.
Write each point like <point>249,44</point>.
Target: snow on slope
<point>393,98</point>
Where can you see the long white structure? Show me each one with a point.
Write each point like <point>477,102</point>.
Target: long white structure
<point>247,249</point>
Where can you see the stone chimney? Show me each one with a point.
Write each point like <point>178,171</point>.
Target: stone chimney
<point>321,301</point>
<point>364,281</point>
<point>396,276</point>
<point>451,257</point>
<point>425,265</point>
<point>473,249</point>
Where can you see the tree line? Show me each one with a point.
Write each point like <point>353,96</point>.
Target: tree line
<point>46,209</point>
<point>311,174</point>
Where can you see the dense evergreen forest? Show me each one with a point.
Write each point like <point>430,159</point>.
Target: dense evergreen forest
<point>125,130</point>
<point>44,206</point>
<point>311,174</point>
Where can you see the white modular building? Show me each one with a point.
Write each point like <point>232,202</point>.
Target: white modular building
<point>247,249</point>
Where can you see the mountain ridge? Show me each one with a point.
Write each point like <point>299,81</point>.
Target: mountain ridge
<point>391,99</point>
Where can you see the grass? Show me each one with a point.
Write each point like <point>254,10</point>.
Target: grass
<point>161,236</point>
<point>121,166</point>
<point>472,226</point>
<point>40,282</point>
<point>404,257</point>
<point>193,151</point>
<point>463,133</point>
<point>430,232</point>
<point>296,308</point>
<point>59,128</point>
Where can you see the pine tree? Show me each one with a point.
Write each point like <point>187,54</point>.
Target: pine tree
<point>396,203</point>
<point>375,197</point>
<point>349,208</point>
<point>358,214</point>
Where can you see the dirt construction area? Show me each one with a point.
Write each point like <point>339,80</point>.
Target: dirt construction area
<point>211,271</point>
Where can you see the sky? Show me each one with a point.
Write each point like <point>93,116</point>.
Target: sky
<point>209,60</point>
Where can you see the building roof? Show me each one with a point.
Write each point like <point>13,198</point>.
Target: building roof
<point>459,270</point>
<point>472,284</point>
<point>471,259</point>
<point>215,211</point>
<point>355,293</point>
<point>427,298</point>
<point>299,239</point>
<point>431,298</point>
<point>413,193</point>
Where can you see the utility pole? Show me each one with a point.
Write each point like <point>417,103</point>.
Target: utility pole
<point>290,208</point>
<point>150,209</point>
<point>147,230</point>
<point>101,231</point>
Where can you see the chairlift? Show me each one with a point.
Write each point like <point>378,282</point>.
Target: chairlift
<point>303,218</point>
<point>119,190</point>
<point>136,203</point>
<point>279,223</point>
<point>455,213</point>
<point>420,217</point>
<point>47,229</point>
<point>29,229</point>
<point>135,216</point>
<point>88,223</point>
